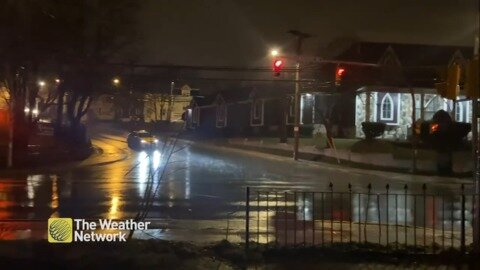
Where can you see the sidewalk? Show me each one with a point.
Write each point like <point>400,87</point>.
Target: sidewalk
<point>372,161</point>
<point>102,154</point>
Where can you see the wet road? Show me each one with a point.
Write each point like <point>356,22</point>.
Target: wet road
<point>200,183</point>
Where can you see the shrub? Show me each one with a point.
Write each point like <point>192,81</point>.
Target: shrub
<point>373,129</point>
<point>447,135</point>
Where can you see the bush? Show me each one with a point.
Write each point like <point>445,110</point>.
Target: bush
<point>373,129</point>
<point>447,135</point>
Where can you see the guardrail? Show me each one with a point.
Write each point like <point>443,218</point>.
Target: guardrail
<point>416,222</point>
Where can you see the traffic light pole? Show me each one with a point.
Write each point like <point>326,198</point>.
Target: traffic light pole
<point>170,102</point>
<point>296,128</point>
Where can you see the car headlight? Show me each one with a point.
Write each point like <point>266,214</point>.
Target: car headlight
<point>143,141</point>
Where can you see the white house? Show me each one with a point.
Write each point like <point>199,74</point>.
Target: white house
<point>158,107</point>
<point>103,107</point>
<point>394,107</point>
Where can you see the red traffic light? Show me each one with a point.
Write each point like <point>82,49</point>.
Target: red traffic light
<point>338,75</point>
<point>278,63</point>
<point>277,66</point>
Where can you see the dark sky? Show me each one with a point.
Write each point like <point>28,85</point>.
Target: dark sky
<point>240,32</point>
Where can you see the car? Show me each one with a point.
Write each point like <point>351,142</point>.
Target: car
<point>141,139</point>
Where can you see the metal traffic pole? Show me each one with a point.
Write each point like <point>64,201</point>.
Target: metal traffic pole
<point>170,102</point>
<point>296,129</point>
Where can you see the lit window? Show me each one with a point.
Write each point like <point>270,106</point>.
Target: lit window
<point>459,112</point>
<point>386,108</point>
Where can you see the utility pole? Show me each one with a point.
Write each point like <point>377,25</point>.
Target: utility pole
<point>296,129</point>
<point>170,101</point>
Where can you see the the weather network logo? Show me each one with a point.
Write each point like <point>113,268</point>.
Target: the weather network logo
<point>60,230</point>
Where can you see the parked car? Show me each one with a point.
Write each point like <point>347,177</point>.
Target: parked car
<point>141,139</point>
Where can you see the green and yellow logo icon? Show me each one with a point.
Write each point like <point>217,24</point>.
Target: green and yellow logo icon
<point>60,230</point>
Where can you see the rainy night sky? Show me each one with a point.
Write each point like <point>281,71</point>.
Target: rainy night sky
<point>240,32</point>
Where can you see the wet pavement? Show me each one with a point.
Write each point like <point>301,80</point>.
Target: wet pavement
<point>202,184</point>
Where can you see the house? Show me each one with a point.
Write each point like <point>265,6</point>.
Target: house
<point>247,112</point>
<point>103,108</point>
<point>394,107</point>
<point>163,107</point>
<point>400,87</point>
<point>377,85</point>
<point>5,123</point>
<point>128,106</point>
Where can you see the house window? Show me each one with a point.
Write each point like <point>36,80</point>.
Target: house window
<point>291,107</point>
<point>221,112</point>
<point>221,115</point>
<point>459,112</point>
<point>386,108</point>
<point>196,115</point>
<point>257,109</point>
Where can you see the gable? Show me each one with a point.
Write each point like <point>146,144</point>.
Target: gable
<point>457,58</point>
<point>389,58</point>
<point>219,99</point>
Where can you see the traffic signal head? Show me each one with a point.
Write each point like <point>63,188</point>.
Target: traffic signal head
<point>277,66</point>
<point>339,73</point>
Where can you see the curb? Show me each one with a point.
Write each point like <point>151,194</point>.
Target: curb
<point>313,159</point>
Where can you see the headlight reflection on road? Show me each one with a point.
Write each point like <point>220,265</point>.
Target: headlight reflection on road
<point>156,159</point>
<point>114,204</point>
<point>147,161</point>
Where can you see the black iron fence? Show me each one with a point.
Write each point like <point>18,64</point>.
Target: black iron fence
<point>419,222</point>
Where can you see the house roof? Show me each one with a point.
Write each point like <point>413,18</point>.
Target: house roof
<point>266,93</point>
<point>395,89</point>
<point>235,95</point>
<point>203,100</point>
<point>406,54</point>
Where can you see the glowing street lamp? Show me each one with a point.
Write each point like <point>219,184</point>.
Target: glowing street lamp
<point>116,81</point>
<point>274,52</point>
<point>57,80</point>
<point>41,83</point>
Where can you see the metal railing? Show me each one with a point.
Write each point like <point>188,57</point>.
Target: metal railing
<point>418,222</point>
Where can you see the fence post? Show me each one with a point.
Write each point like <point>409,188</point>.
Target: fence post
<point>331,212</point>
<point>424,189</point>
<point>247,219</point>
<point>350,208</point>
<point>405,215</point>
<point>462,236</point>
<point>294,218</point>
<point>387,187</point>
<point>366,212</point>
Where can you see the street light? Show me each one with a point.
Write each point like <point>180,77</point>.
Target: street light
<point>57,80</point>
<point>116,81</point>
<point>41,83</point>
<point>274,52</point>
